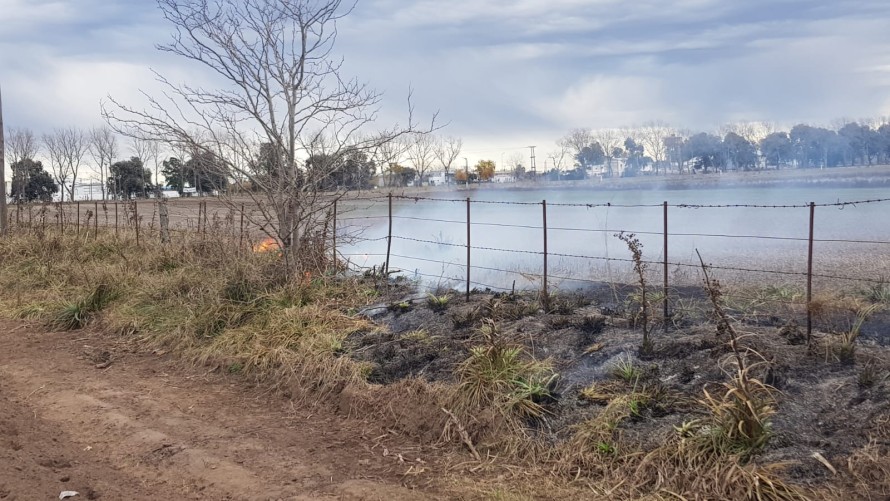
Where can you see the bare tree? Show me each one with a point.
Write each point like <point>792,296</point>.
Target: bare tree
<point>447,150</point>
<point>67,148</point>
<point>144,149</point>
<point>389,154</point>
<point>576,140</point>
<point>558,155</point>
<point>21,144</point>
<point>609,139</point>
<point>420,153</point>
<point>652,136</point>
<point>153,153</point>
<point>282,89</point>
<point>103,149</point>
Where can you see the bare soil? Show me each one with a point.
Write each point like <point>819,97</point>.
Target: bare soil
<point>81,411</point>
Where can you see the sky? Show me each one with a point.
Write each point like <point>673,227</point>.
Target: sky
<point>501,74</point>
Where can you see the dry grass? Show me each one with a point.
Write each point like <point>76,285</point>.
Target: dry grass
<point>220,305</point>
<point>210,302</point>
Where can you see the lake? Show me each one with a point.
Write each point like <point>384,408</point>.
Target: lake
<point>429,236</point>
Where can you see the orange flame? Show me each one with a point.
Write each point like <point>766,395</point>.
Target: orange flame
<point>269,244</point>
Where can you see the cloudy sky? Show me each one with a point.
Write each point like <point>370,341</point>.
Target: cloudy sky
<point>503,73</point>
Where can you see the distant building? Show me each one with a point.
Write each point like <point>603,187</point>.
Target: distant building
<point>503,177</point>
<point>440,178</point>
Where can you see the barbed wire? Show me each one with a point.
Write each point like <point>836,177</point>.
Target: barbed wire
<point>656,263</point>
<point>591,205</point>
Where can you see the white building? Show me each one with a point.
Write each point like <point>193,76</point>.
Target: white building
<point>503,177</point>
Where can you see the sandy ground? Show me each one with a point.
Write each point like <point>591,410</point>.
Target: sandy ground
<point>81,413</point>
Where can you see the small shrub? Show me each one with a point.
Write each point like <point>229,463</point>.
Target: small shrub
<point>878,293</point>
<point>70,316</point>
<point>869,375</point>
<point>626,370</point>
<point>419,335</point>
<point>739,416</point>
<point>438,303</point>
<point>76,314</point>
<point>846,348</point>
<point>501,375</point>
<point>643,316</point>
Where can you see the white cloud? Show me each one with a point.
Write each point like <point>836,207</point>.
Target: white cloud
<point>604,101</point>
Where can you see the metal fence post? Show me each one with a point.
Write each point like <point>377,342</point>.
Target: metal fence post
<point>96,218</point>
<point>810,274</point>
<point>665,291</point>
<point>388,237</point>
<point>546,294</point>
<point>77,225</point>
<point>468,248</point>
<point>115,218</point>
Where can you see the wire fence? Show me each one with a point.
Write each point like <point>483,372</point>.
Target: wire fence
<point>499,244</point>
<point>792,252</point>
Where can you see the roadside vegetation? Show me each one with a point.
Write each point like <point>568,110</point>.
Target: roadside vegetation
<point>719,406</point>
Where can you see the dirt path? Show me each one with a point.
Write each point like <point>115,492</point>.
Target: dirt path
<point>145,428</point>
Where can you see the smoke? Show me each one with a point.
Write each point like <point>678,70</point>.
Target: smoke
<point>429,237</point>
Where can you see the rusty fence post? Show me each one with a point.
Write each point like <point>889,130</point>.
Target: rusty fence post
<point>388,237</point>
<point>810,274</point>
<point>77,224</point>
<point>115,219</point>
<point>96,219</point>
<point>665,291</point>
<point>468,249</point>
<point>546,294</point>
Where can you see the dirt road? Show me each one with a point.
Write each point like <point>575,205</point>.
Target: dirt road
<point>80,412</point>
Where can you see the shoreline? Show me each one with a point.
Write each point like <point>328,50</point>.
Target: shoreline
<point>836,177</point>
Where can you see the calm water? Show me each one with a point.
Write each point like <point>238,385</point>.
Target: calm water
<point>723,235</point>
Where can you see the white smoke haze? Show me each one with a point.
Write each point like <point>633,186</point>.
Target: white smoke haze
<point>429,237</point>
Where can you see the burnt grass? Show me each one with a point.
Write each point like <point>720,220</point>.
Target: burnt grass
<point>824,405</point>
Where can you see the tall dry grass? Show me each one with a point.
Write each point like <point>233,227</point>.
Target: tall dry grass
<point>211,302</point>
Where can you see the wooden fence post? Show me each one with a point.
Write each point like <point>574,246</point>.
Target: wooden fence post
<point>334,236</point>
<point>241,234</point>
<point>164,221</point>
<point>136,220</point>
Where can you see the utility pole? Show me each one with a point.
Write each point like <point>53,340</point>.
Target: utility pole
<point>467,170</point>
<point>3,221</point>
<point>532,165</point>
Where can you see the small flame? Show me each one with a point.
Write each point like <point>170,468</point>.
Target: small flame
<point>269,244</point>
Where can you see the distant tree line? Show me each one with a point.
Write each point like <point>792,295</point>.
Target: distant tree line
<point>657,147</point>
<point>67,152</point>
